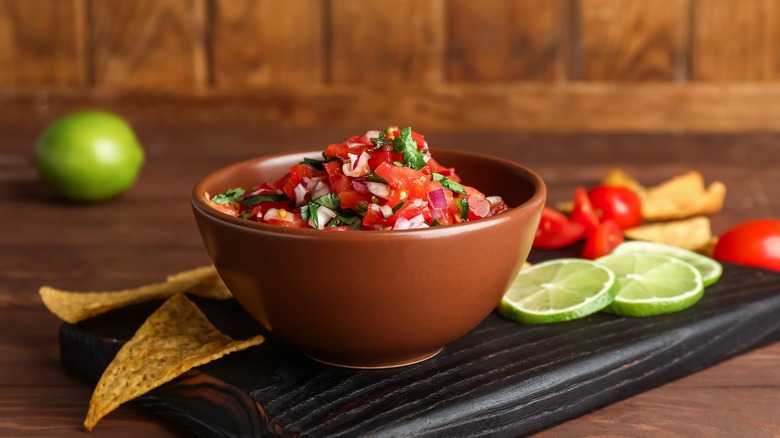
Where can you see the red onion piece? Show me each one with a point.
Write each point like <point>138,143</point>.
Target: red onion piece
<point>366,138</point>
<point>359,184</point>
<point>438,199</point>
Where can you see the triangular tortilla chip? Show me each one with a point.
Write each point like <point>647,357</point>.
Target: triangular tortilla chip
<point>693,233</point>
<point>173,340</point>
<point>678,197</point>
<point>73,307</point>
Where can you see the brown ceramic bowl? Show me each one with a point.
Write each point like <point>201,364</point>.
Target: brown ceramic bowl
<point>372,298</point>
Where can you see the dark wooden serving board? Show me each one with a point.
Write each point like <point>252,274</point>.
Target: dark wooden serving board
<point>500,379</point>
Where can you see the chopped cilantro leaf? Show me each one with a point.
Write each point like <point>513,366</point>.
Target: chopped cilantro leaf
<point>407,147</point>
<point>382,140</point>
<point>331,200</point>
<point>353,222</point>
<point>448,183</point>
<point>309,211</point>
<point>376,178</point>
<point>317,164</point>
<point>228,196</point>
<point>267,197</point>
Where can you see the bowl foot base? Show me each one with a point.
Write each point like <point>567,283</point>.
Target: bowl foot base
<point>378,365</point>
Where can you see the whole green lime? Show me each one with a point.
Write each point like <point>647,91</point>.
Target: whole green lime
<point>89,156</point>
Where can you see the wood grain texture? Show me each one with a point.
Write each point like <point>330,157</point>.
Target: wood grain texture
<point>577,106</point>
<point>632,40</point>
<point>736,41</point>
<point>267,42</point>
<point>152,44</point>
<point>505,40</point>
<point>387,42</point>
<point>42,43</point>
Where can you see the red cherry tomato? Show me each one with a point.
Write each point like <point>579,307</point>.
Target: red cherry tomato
<point>556,230</point>
<point>752,243</point>
<point>583,212</point>
<point>603,241</point>
<point>617,203</point>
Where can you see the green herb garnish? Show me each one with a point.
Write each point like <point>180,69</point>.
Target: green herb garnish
<point>228,196</point>
<point>376,178</point>
<point>463,207</point>
<point>382,140</point>
<point>353,222</point>
<point>330,201</point>
<point>317,164</point>
<point>448,183</point>
<point>267,197</point>
<point>398,206</point>
<point>407,147</point>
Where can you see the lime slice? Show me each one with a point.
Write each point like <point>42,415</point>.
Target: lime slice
<point>709,269</point>
<point>652,284</point>
<point>559,290</point>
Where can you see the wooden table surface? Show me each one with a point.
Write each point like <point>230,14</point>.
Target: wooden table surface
<point>149,233</point>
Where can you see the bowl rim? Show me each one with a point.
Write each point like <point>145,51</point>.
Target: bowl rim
<point>199,204</point>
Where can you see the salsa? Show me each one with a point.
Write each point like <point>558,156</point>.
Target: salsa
<point>376,181</point>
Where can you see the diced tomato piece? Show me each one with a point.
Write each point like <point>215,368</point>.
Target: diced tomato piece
<point>410,210</point>
<point>603,241</point>
<point>471,191</point>
<point>340,184</point>
<point>289,188</point>
<point>293,220</point>
<point>333,168</point>
<point>583,212</point>
<point>405,184</point>
<point>337,149</point>
<point>279,184</point>
<point>351,198</point>
<point>380,156</point>
<point>556,230</point>
<point>374,217</point>
<point>298,172</point>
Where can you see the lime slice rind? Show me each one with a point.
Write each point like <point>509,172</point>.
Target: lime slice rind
<point>680,285</point>
<point>546,292</point>
<point>709,269</point>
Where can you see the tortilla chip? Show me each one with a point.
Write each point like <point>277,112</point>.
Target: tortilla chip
<point>679,197</point>
<point>693,233</point>
<point>73,307</point>
<point>173,340</point>
<point>683,196</point>
<point>619,178</point>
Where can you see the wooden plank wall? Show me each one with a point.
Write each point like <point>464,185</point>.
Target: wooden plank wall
<point>488,64</point>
